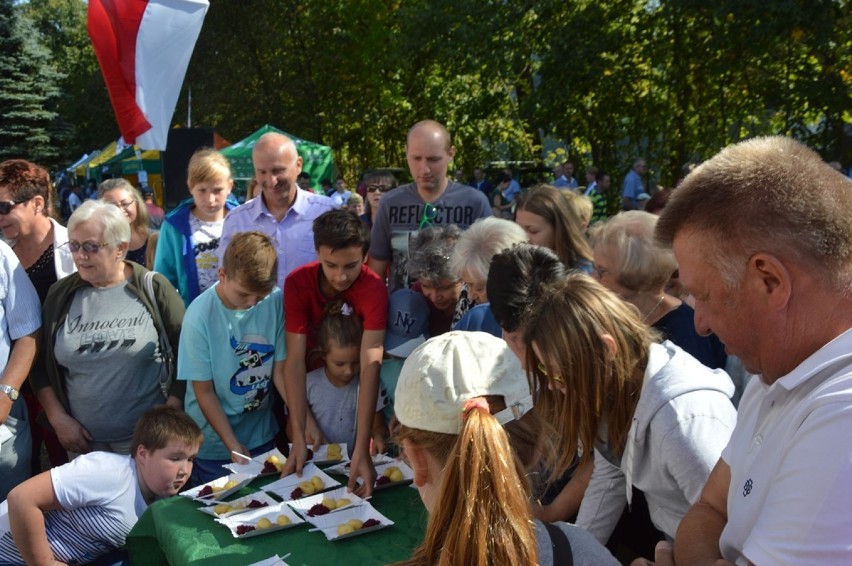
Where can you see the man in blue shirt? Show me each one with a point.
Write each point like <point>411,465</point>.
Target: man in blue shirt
<point>634,186</point>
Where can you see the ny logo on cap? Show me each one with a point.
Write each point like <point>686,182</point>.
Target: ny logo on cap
<point>405,320</point>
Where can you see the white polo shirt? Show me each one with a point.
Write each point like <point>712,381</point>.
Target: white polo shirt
<point>790,496</point>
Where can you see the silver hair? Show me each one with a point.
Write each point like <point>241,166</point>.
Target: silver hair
<point>109,217</point>
<point>429,253</point>
<point>481,242</point>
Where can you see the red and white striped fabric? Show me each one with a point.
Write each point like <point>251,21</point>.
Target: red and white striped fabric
<point>143,48</point>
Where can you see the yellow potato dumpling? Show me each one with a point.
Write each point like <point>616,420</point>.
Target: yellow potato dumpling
<point>330,503</point>
<point>264,523</point>
<point>345,529</point>
<point>221,508</point>
<point>283,520</point>
<point>334,452</point>
<point>307,487</point>
<point>317,483</point>
<point>343,502</point>
<point>394,474</point>
<point>229,484</point>
<point>355,524</point>
<point>273,459</point>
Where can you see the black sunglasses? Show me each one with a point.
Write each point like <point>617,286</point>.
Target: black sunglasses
<point>6,206</point>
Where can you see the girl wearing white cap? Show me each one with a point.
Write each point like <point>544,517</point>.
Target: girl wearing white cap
<point>455,395</point>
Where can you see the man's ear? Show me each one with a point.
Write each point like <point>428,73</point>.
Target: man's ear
<point>774,280</point>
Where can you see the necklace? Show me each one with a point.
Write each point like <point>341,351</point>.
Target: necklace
<point>653,310</point>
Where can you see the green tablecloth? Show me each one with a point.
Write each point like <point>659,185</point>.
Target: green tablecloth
<point>173,532</point>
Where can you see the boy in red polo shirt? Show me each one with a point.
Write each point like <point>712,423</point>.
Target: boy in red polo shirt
<point>340,274</point>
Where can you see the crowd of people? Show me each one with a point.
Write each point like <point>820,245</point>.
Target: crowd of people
<point>669,385</point>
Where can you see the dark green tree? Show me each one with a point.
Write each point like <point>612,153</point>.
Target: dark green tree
<point>28,90</point>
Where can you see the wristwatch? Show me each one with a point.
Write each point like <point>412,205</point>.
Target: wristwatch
<point>10,391</point>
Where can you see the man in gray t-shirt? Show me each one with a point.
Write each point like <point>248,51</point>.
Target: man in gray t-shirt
<point>432,199</point>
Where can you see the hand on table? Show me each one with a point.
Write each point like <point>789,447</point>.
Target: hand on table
<point>362,467</point>
<point>239,449</point>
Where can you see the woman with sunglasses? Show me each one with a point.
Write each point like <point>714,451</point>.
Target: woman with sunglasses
<point>101,338</point>
<point>120,193</point>
<point>38,242</point>
<point>376,184</point>
<point>649,414</point>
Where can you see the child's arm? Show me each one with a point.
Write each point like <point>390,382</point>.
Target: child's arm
<point>211,408</point>
<point>372,348</point>
<point>380,432</point>
<point>27,504</point>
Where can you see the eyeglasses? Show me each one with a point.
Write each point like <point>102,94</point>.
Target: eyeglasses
<point>88,247</point>
<point>543,371</point>
<point>6,206</point>
<point>430,212</point>
<point>124,204</point>
<point>380,188</point>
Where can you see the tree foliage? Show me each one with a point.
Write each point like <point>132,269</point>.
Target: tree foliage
<point>28,90</point>
<point>671,80</point>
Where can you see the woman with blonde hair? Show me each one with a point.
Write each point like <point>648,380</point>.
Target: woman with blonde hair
<point>649,415</point>
<point>549,221</point>
<point>630,263</point>
<point>121,193</point>
<point>455,395</point>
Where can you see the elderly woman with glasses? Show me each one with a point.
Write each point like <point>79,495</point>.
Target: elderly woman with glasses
<point>650,416</point>
<point>101,338</point>
<point>120,192</point>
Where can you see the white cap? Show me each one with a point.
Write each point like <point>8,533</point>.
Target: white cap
<point>445,371</point>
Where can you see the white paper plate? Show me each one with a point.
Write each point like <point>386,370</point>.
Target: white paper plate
<point>343,467</point>
<point>239,505</point>
<point>255,465</point>
<point>320,455</point>
<point>271,561</point>
<point>407,474</point>
<point>328,523</point>
<point>217,496</point>
<point>304,504</point>
<point>284,487</point>
<point>252,517</point>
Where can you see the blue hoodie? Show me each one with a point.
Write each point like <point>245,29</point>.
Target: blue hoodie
<point>175,257</point>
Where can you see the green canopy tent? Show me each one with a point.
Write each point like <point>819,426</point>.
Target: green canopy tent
<point>316,158</point>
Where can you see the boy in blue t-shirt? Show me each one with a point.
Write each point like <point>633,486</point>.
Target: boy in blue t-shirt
<point>231,344</point>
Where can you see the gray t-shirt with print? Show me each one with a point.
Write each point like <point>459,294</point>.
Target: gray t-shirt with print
<point>402,212</point>
<point>110,354</point>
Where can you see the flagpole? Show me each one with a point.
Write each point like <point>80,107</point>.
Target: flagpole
<point>189,108</point>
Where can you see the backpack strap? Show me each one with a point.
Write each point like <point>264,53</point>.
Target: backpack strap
<point>562,553</point>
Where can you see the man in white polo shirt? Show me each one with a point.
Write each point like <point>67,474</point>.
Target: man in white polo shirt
<point>763,238</point>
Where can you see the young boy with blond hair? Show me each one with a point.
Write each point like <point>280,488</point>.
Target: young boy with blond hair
<point>188,245</point>
<point>79,511</point>
<point>231,345</point>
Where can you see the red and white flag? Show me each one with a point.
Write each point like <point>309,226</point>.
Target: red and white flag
<point>143,48</point>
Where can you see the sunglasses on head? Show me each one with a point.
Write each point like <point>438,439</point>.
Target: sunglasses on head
<point>88,247</point>
<point>6,206</point>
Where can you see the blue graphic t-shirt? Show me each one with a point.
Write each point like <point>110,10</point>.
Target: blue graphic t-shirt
<point>236,349</point>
